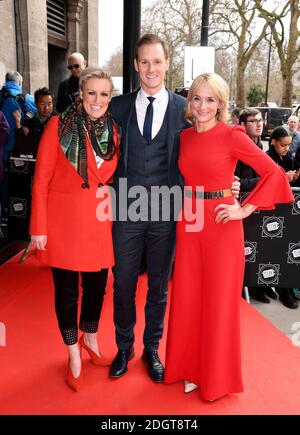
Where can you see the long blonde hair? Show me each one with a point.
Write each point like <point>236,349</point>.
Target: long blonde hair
<point>219,88</point>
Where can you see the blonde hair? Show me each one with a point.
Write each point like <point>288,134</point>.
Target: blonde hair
<point>220,90</point>
<point>98,73</point>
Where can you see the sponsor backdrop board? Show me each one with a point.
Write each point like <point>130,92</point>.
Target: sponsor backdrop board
<point>21,173</point>
<point>272,246</point>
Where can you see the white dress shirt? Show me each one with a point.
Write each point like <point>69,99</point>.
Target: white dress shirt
<point>160,105</point>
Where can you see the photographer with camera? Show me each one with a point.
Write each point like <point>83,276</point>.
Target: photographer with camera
<point>12,99</point>
<point>28,133</point>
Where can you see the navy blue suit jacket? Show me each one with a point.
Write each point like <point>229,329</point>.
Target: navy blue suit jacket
<point>122,108</point>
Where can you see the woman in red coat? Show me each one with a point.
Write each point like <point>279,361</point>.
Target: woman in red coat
<point>203,344</point>
<point>76,159</point>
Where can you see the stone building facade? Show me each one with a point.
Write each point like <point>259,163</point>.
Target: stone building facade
<point>36,37</point>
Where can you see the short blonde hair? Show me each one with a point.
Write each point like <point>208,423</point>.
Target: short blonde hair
<point>91,72</point>
<point>293,118</point>
<point>220,90</point>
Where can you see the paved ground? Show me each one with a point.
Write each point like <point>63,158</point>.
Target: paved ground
<point>283,318</point>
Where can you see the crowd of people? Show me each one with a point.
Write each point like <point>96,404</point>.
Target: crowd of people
<point>151,138</point>
<point>27,117</point>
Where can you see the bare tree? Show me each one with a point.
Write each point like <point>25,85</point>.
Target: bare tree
<point>178,22</point>
<point>257,69</point>
<point>225,66</point>
<point>114,64</point>
<point>235,20</point>
<point>288,46</point>
<point>238,31</point>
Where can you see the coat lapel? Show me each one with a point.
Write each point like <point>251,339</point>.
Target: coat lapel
<point>172,116</point>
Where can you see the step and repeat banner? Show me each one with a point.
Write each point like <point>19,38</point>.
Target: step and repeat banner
<point>272,246</point>
<point>21,173</point>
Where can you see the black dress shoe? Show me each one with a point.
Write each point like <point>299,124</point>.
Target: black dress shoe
<point>259,295</point>
<point>287,299</point>
<point>155,368</point>
<point>270,293</point>
<point>119,365</point>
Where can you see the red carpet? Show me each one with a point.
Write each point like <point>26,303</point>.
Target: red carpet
<point>33,362</point>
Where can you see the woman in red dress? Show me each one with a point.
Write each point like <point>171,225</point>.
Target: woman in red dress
<point>77,157</point>
<point>203,344</point>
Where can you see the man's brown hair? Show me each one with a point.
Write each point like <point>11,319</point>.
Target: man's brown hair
<point>150,38</point>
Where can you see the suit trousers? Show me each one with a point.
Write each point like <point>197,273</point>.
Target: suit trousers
<point>130,240</point>
<point>66,286</point>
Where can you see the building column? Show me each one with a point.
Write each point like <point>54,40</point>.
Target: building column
<point>32,43</point>
<point>89,32</point>
<point>8,56</point>
<point>92,33</point>
<point>74,8</point>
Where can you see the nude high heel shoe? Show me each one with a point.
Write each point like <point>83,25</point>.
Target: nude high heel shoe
<point>101,360</point>
<point>189,386</point>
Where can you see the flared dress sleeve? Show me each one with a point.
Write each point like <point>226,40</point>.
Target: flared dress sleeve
<point>273,186</point>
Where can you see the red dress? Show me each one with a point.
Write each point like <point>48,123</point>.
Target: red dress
<point>203,343</point>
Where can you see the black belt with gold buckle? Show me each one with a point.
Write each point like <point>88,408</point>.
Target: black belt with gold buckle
<point>208,195</point>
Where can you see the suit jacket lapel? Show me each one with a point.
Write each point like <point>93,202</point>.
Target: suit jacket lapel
<point>172,116</point>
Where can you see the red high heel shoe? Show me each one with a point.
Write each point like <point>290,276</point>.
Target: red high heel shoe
<point>72,382</point>
<point>101,360</point>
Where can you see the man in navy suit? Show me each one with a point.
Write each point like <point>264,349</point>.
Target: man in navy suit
<point>151,119</point>
<point>149,154</point>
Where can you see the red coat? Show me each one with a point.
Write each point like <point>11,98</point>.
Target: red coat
<point>66,212</point>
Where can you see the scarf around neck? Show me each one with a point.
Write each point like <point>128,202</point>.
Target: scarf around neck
<point>73,125</point>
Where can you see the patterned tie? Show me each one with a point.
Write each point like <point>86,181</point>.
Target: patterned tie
<point>147,129</point>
